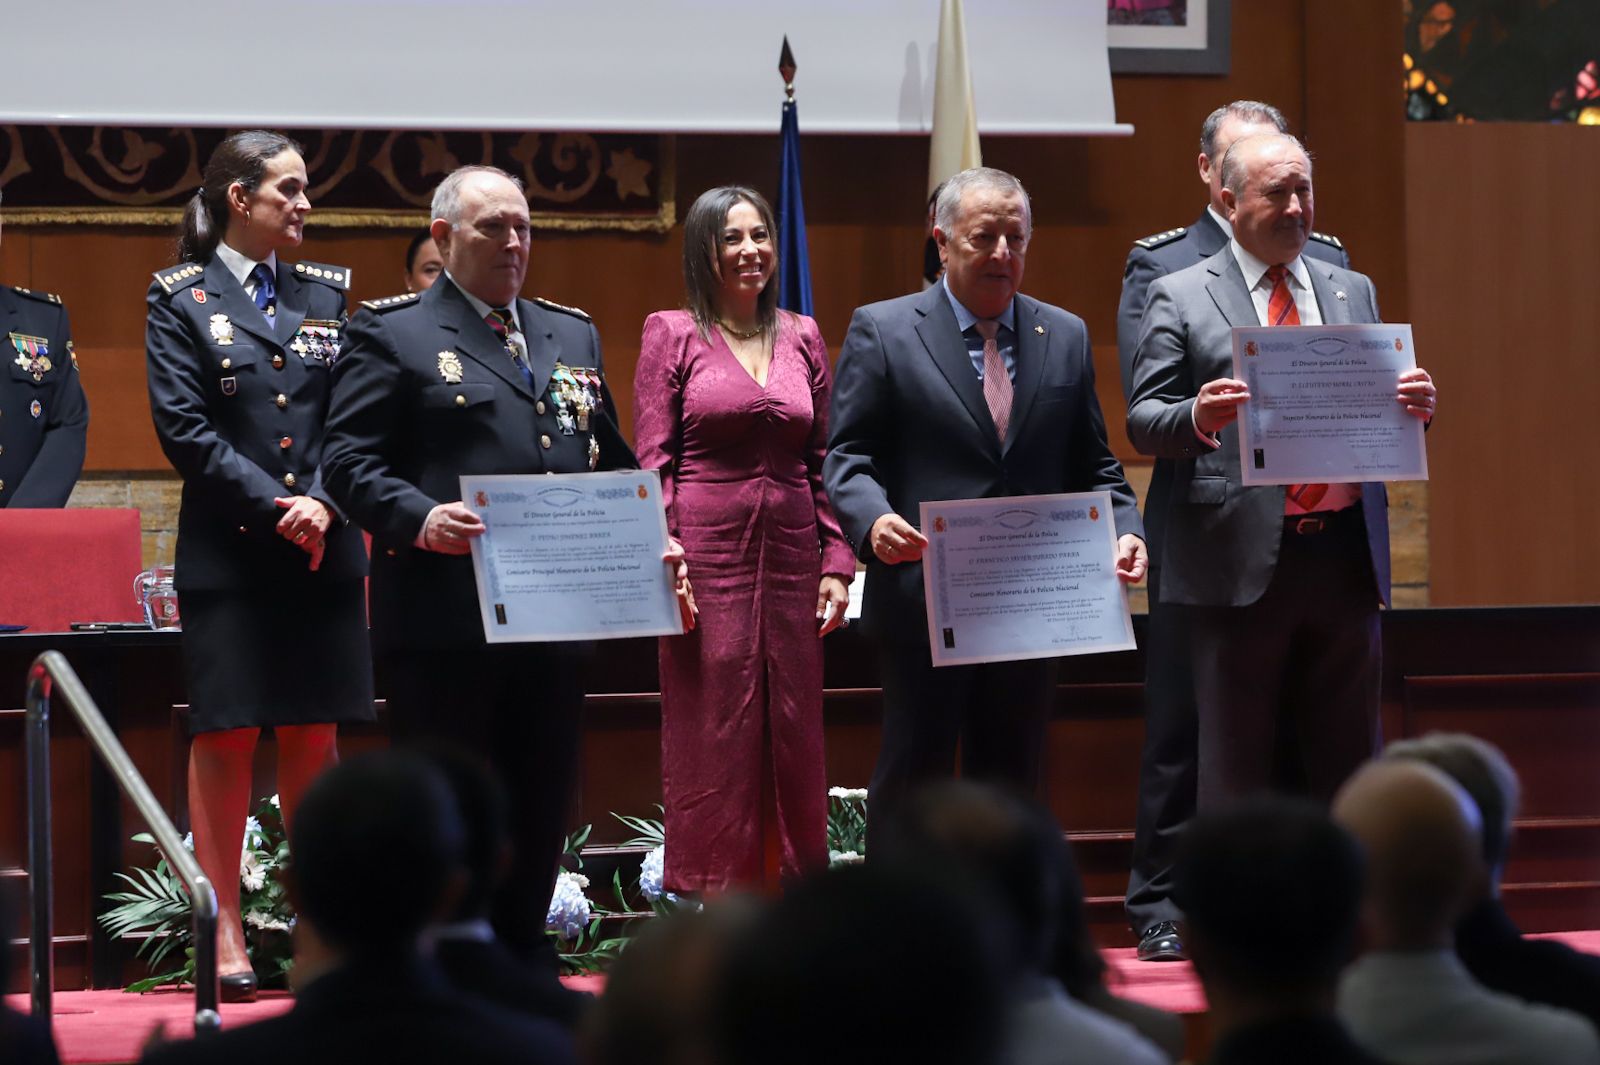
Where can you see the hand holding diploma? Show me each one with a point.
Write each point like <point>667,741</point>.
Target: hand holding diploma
<point>1133,559</point>
<point>450,529</point>
<point>1418,394</point>
<point>895,540</point>
<point>1218,403</point>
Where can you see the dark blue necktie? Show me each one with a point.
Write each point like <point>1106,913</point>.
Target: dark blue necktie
<point>266,292</point>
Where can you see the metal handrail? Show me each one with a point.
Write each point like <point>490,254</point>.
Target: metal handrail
<point>51,669</point>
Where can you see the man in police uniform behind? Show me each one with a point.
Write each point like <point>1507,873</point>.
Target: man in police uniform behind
<point>1167,767</point>
<point>467,378</point>
<point>44,417</point>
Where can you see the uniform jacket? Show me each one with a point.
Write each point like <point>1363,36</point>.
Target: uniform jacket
<point>909,424</point>
<point>44,418</point>
<point>425,392</point>
<point>240,408</point>
<point>1221,539</point>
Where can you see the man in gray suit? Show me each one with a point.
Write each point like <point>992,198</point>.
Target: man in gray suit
<point>1167,764</point>
<point>1282,587</point>
<point>967,390</point>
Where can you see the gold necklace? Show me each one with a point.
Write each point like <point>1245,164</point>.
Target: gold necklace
<point>740,334</point>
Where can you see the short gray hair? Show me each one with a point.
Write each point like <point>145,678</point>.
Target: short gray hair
<point>1233,174</point>
<point>447,197</point>
<point>950,194</point>
<point>1244,111</point>
<point>1483,773</point>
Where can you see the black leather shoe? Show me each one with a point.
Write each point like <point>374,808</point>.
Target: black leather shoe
<point>1160,942</point>
<point>237,987</point>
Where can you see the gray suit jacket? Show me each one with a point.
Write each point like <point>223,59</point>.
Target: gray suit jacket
<point>1221,539</point>
<point>909,424</point>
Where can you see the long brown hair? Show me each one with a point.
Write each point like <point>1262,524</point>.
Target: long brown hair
<point>243,157</point>
<point>702,236</point>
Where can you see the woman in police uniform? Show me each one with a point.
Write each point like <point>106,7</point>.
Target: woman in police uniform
<point>269,577</point>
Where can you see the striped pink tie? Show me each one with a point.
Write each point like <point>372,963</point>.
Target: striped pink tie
<point>997,391</point>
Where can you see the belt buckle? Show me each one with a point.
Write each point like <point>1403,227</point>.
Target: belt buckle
<point>1309,526</point>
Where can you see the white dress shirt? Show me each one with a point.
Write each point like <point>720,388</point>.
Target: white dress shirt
<point>241,265</point>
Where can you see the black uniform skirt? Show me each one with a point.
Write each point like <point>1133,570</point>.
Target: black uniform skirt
<point>258,658</point>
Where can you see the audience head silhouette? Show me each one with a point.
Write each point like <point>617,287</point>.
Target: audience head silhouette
<point>1421,834</point>
<point>486,833</point>
<point>1271,889</point>
<point>857,960</point>
<point>1003,845</point>
<point>351,826</point>
<point>1485,775</point>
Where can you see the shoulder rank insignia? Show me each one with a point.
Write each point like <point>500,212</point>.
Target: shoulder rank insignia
<point>1328,239</point>
<point>389,303</point>
<point>1152,242</point>
<point>180,277</point>
<point>33,355</point>
<point>42,297</point>
<point>575,312</point>
<point>333,276</point>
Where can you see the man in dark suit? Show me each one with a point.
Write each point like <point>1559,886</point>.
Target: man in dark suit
<point>365,992</point>
<point>44,417</point>
<point>967,390</point>
<point>1281,588</point>
<point>470,379</point>
<point>1167,767</point>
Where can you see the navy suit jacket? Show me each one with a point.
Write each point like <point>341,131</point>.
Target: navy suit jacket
<point>44,422</point>
<point>239,407</point>
<point>401,434</point>
<point>909,424</point>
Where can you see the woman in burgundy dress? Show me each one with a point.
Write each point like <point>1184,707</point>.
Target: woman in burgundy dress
<point>731,403</point>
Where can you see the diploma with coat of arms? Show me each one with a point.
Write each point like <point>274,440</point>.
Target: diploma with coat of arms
<point>1023,577</point>
<point>573,556</point>
<point>1322,405</point>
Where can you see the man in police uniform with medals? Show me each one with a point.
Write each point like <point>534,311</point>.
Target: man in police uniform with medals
<point>1167,768</point>
<point>468,378</point>
<point>44,417</point>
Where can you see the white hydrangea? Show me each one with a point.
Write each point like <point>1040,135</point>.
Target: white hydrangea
<point>848,794</point>
<point>838,858</point>
<point>569,906</point>
<point>650,873</point>
<point>252,831</point>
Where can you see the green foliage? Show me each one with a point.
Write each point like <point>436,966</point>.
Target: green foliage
<point>157,907</point>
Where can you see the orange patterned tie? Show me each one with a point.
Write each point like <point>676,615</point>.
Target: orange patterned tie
<point>1282,311</point>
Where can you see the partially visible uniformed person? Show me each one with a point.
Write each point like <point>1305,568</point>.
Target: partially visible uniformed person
<point>240,348</point>
<point>44,417</point>
<point>469,378</point>
<point>1167,768</point>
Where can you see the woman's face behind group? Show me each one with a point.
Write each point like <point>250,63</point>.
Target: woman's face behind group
<point>745,258</point>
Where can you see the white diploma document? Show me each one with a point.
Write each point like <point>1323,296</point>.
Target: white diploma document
<point>1023,577</point>
<point>573,556</point>
<point>1322,406</point>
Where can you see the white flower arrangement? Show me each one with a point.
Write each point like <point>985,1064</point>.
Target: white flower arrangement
<point>847,826</point>
<point>651,871</point>
<point>570,908</point>
<point>848,794</point>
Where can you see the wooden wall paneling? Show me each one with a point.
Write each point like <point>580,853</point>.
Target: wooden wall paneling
<point>1355,127</point>
<point>1501,252</point>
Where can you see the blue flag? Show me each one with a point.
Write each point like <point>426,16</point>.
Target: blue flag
<point>794,264</point>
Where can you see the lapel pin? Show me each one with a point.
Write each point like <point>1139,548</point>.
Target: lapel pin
<point>1341,297</point>
<point>1039,329</point>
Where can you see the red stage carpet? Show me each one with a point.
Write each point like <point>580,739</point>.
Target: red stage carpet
<point>109,1026</point>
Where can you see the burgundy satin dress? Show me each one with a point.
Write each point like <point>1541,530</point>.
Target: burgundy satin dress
<point>741,474</point>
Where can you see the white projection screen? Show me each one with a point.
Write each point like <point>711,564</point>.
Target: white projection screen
<point>865,66</point>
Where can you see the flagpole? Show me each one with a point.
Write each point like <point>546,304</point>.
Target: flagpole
<point>794,264</point>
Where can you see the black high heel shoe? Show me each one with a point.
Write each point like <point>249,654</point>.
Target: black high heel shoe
<point>237,987</point>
